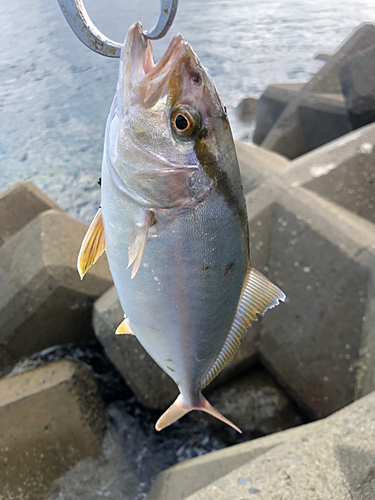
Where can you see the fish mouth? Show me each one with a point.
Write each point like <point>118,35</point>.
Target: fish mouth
<point>138,51</point>
<point>145,81</point>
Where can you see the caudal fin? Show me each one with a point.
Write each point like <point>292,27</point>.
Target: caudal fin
<point>178,410</point>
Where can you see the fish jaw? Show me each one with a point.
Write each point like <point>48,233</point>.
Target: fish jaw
<point>140,78</point>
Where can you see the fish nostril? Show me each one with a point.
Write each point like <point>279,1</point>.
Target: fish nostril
<point>196,79</point>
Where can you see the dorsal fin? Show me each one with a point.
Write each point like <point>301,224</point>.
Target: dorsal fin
<point>258,294</point>
<point>93,245</point>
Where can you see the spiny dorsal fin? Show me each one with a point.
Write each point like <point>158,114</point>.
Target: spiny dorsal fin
<point>258,294</point>
<point>93,245</point>
<point>137,242</point>
<point>124,328</point>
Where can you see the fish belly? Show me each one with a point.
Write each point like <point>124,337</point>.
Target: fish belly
<point>183,299</point>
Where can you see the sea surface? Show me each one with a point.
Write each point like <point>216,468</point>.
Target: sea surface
<point>55,93</point>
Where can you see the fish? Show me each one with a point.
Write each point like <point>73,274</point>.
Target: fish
<point>173,221</point>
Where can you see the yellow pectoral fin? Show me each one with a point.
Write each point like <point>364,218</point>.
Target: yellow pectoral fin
<point>93,245</point>
<point>124,328</point>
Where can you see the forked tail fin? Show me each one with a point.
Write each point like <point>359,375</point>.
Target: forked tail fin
<point>178,409</point>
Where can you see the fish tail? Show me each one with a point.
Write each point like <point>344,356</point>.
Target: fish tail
<point>174,412</point>
<point>178,409</point>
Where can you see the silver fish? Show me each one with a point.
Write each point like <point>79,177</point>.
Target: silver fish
<point>173,220</point>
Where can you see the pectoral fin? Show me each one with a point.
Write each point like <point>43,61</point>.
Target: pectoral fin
<point>93,245</point>
<point>137,242</point>
<point>124,328</point>
<point>258,294</point>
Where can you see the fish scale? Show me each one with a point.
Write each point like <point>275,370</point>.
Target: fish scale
<point>173,221</point>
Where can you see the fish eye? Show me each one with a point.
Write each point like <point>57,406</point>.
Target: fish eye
<point>185,121</point>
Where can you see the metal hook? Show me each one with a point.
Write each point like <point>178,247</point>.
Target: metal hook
<point>80,22</point>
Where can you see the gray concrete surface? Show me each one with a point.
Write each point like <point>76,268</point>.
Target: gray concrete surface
<point>50,419</point>
<point>357,82</point>
<point>254,402</point>
<point>342,172</point>
<point>319,345</point>
<point>43,301</point>
<point>246,109</point>
<point>19,205</point>
<point>322,117</point>
<point>331,459</point>
<point>286,136</point>
<point>270,106</point>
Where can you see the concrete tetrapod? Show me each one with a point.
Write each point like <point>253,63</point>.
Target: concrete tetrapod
<point>301,127</point>
<point>342,172</point>
<point>19,205</point>
<point>320,346</point>
<point>50,418</point>
<point>331,459</point>
<point>322,117</point>
<point>43,301</point>
<point>357,81</point>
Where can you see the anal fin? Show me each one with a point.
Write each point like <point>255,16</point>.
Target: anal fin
<point>124,328</point>
<point>93,245</point>
<point>258,294</point>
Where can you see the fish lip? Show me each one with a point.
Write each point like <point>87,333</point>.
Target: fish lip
<point>138,51</point>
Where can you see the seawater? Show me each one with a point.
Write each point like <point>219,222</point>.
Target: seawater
<point>55,93</point>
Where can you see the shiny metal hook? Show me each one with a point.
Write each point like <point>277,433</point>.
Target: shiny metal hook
<point>80,22</point>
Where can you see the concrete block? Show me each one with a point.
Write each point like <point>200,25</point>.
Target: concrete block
<point>43,302</point>
<point>357,78</point>
<point>246,110</point>
<point>184,479</point>
<point>327,460</point>
<point>321,343</point>
<point>18,206</point>
<point>322,56</point>
<point>270,106</point>
<point>342,172</point>
<point>331,459</point>
<point>50,419</point>
<point>325,266</point>
<point>321,119</point>
<point>286,137</point>
<point>255,402</point>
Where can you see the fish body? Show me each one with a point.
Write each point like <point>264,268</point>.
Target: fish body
<point>173,218</point>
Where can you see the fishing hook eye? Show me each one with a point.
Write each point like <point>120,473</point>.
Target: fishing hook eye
<point>78,19</point>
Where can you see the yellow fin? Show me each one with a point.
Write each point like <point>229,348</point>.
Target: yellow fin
<point>258,294</point>
<point>124,328</point>
<point>138,243</point>
<point>93,245</point>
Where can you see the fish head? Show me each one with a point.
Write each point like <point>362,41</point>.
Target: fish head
<point>172,123</point>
